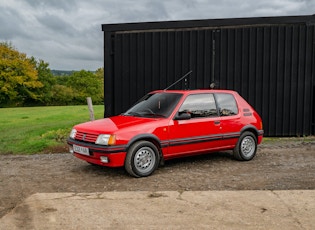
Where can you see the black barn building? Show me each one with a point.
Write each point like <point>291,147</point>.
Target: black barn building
<point>270,61</point>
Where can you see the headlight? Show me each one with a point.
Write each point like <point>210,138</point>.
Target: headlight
<point>73,133</point>
<point>106,139</point>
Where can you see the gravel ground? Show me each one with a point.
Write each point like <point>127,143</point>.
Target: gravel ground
<point>282,165</point>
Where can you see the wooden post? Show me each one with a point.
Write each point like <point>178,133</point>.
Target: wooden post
<point>90,105</point>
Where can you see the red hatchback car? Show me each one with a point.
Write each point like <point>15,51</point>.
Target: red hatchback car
<point>167,124</point>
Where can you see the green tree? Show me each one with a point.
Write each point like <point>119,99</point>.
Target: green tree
<point>18,77</point>
<point>61,95</point>
<point>45,76</point>
<point>100,74</point>
<point>86,84</point>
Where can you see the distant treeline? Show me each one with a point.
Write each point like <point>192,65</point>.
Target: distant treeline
<point>62,72</point>
<point>65,72</point>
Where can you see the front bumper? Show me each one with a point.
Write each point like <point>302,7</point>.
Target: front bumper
<point>115,154</point>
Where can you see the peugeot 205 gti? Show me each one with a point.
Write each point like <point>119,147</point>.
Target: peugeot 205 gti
<point>168,124</point>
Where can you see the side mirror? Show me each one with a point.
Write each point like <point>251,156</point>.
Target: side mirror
<point>183,116</point>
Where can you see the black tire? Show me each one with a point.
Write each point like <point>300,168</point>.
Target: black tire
<point>142,159</point>
<point>246,147</point>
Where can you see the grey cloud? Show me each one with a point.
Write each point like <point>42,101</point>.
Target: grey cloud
<point>65,5</point>
<point>67,33</point>
<point>10,24</point>
<point>132,11</point>
<point>56,25</point>
<point>155,10</point>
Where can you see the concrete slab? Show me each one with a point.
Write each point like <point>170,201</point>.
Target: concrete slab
<point>165,210</point>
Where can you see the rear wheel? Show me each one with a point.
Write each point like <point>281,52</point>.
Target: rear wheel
<point>142,159</point>
<point>246,147</point>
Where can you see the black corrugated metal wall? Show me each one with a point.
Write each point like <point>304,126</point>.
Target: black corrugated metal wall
<point>270,64</point>
<point>272,67</point>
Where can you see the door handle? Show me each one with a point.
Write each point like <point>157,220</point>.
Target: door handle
<point>216,122</point>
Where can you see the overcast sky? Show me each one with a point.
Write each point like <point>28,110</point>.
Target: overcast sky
<point>67,33</point>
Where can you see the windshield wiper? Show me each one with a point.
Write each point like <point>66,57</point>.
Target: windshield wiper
<point>151,114</point>
<point>143,114</point>
<point>133,114</point>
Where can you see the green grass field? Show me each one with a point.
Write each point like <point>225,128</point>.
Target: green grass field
<point>30,130</point>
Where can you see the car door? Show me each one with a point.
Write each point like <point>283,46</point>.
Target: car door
<point>199,131</point>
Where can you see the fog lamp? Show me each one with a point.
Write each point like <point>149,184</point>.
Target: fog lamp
<point>104,159</point>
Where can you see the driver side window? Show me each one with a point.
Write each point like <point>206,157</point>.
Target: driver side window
<point>199,105</point>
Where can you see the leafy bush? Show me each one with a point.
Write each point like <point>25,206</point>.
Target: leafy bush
<point>59,135</point>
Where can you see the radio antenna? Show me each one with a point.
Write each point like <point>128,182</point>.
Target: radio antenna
<point>179,80</point>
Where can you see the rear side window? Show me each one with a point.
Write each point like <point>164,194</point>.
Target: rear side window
<point>226,104</point>
<point>199,105</point>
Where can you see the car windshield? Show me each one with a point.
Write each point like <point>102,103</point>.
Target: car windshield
<point>155,105</point>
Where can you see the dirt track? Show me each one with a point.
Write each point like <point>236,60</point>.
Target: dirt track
<point>284,165</point>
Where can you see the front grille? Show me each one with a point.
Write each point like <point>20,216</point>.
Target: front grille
<point>88,137</point>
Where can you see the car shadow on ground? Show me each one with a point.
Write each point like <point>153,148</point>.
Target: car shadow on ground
<point>206,158</point>
<point>184,162</point>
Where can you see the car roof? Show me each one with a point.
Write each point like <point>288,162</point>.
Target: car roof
<point>196,91</point>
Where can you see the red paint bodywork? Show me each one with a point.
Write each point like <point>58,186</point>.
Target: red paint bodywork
<point>174,138</point>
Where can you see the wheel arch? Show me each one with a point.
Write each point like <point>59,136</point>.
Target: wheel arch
<point>147,137</point>
<point>250,128</point>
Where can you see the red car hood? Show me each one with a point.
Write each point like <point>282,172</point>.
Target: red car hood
<point>112,124</point>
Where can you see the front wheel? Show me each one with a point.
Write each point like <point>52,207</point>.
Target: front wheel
<point>142,159</point>
<point>246,147</point>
